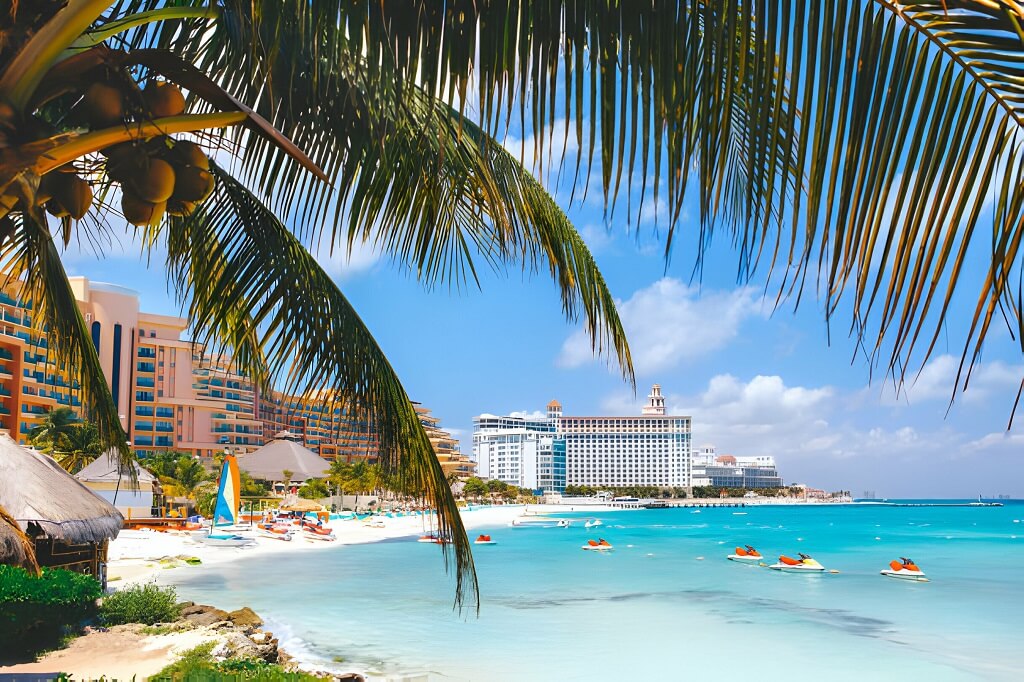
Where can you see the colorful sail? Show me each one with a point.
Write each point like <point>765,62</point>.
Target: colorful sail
<point>228,494</point>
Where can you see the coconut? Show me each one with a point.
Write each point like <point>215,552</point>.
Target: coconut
<point>154,182</point>
<point>193,184</point>
<point>185,153</point>
<point>104,105</point>
<point>163,99</point>
<point>74,194</point>
<point>180,207</point>
<point>138,211</point>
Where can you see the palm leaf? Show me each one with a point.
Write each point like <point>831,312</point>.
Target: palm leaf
<point>246,276</point>
<point>31,256</point>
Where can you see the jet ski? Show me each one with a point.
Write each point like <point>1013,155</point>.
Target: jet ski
<point>746,555</point>
<point>601,545</point>
<point>904,569</point>
<point>484,540</point>
<point>805,564</point>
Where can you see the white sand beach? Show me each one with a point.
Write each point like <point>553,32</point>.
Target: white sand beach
<point>138,555</point>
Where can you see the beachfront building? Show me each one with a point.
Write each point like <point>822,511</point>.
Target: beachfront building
<point>523,451</point>
<point>171,393</point>
<point>727,471</point>
<point>446,446</point>
<point>328,427</point>
<point>649,449</point>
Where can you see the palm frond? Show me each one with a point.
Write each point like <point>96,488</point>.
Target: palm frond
<point>247,277</point>
<point>31,257</point>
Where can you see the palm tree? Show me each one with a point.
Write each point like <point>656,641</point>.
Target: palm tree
<point>53,430</point>
<point>91,107</point>
<point>81,445</point>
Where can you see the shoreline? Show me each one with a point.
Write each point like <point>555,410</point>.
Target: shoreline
<point>125,651</point>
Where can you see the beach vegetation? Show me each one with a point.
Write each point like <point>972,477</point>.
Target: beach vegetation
<point>73,443</point>
<point>199,664</point>
<point>146,603</point>
<point>314,489</point>
<point>38,612</point>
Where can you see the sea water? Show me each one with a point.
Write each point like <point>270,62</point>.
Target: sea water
<point>665,604</point>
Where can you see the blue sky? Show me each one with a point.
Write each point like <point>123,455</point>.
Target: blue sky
<point>755,382</point>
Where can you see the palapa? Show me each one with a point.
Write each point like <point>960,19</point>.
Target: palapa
<point>271,461</point>
<point>47,501</point>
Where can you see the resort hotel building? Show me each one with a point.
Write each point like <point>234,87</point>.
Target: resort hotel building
<point>546,454</point>
<point>522,451</point>
<point>727,471</point>
<point>171,394</point>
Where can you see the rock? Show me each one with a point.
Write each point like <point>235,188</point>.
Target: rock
<point>258,637</point>
<point>199,614</point>
<point>350,677</point>
<point>245,618</point>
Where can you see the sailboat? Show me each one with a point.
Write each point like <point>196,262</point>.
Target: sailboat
<point>225,512</point>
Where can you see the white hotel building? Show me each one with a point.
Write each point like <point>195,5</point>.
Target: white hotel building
<point>519,451</point>
<point>650,449</point>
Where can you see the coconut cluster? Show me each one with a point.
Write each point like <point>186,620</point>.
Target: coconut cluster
<point>158,176</point>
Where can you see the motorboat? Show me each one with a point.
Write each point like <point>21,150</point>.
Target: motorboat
<point>593,523</point>
<point>601,545</point>
<point>484,540</point>
<point>805,564</point>
<point>746,555</point>
<point>904,569</point>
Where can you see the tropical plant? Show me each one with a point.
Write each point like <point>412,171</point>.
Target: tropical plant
<point>93,107</point>
<point>51,432</point>
<point>81,445</point>
<point>314,489</point>
<point>37,610</point>
<point>146,603</point>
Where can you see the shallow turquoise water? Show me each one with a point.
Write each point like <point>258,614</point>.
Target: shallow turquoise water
<point>653,609</point>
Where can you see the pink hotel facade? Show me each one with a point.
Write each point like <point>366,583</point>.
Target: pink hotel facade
<point>170,394</point>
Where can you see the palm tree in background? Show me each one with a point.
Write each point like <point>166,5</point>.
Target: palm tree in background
<point>81,445</point>
<point>50,434</point>
<point>865,151</point>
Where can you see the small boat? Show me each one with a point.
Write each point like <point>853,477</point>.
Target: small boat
<point>746,555</point>
<point>593,523</point>
<point>904,569</point>
<point>804,564</point>
<point>564,523</point>
<point>228,541</point>
<point>433,539</point>
<point>225,512</point>
<point>601,545</point>
<point>484,540</point>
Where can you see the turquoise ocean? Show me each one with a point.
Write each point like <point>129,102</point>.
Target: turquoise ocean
<point>666,604</point>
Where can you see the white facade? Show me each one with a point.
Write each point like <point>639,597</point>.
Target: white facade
<point>519,451</point>
<point>652,449</point>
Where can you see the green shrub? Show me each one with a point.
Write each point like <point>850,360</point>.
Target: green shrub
<point>146,604</point>
<point>198,665</point>
<point>36,613</point>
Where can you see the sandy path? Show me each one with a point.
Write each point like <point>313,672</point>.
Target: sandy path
<point>120,653</point>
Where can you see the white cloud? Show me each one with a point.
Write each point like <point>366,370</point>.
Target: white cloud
<point>344,262</point>
<point>558,140</point>
<point>937,380</point>
<point>523,414</point>
<point>669,323</point>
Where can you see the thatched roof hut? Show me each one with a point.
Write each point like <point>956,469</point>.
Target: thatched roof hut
<point>49,504</point>
<point>270,461</point>
<point>15,546</point>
